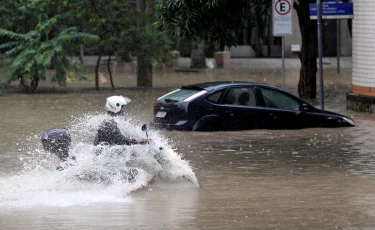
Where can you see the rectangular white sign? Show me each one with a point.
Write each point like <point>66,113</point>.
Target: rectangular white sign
<point>282,17</point>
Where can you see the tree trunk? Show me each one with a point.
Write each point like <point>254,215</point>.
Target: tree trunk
<point>350,26</point>
<point>144,66</point>
<point>144,72</point>
<point>198,59</point>
<point>109,71</point>
<point>308,56</point>
<point>82,54</point>
<point>34,83</point>
<point>97,72</point>
<point>349,21</point>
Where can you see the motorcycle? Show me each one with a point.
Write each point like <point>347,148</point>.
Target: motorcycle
<point>160,161</point>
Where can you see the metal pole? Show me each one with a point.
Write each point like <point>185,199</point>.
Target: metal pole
<point>283,60</point>
<point>338,35</point>
<point>320,50</point>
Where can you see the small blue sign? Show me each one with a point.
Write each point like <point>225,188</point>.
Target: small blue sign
<point>333,10</point>
<point>332,1</point>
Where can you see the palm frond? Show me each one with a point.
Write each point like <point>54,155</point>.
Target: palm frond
<point>12,35</point>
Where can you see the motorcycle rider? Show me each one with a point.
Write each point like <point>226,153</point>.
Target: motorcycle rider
<point>109,133</point>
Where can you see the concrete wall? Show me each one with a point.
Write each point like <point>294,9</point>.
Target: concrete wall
<point>295,38</point>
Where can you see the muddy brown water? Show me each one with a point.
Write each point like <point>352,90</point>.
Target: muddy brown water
<point>258,179</point>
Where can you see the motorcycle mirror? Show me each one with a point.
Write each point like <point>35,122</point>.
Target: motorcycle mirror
<point>144,127</point>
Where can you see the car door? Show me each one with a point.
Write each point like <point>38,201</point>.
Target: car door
<point>238,108</point>
<point>279,109</point>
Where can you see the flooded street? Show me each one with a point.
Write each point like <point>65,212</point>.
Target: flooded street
<point>259,179</point>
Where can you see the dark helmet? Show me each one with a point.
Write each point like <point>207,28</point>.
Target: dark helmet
<point>57,141</point>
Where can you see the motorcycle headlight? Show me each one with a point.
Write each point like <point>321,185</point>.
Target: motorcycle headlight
<point>349,121</point>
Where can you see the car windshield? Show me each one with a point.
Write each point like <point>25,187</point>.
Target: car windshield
<point>178,95</point>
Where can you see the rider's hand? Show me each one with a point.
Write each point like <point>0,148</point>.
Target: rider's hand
<point>143,141</point>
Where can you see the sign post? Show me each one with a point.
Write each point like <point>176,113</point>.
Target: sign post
<point>320,51</point>
<point>338,41</point>
<point>282,26</point>
<point>330,9</point>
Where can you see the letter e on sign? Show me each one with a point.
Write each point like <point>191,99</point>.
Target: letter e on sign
<point>282,17</point>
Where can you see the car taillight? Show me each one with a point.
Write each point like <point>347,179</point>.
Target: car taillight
<point>195,96</point>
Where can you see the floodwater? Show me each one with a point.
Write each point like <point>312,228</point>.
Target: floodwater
<point>260,179</point>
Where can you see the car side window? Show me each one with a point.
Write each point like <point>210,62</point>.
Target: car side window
<point>214,98</point>
<point>279,100</point>
<point>243,96</point>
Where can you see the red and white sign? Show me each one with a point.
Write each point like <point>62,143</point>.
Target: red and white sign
<point>282,17</point>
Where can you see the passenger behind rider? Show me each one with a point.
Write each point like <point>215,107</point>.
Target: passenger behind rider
<point>109,133</point>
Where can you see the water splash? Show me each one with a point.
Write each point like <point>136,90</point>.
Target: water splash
<point>98,173</point>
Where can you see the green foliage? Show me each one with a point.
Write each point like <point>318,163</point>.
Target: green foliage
<point>115,22</point>
<point>156,45</point>
<point>210,20</point>
<point>40,35</point>
<point>259,15</point>
<point>31,54</point>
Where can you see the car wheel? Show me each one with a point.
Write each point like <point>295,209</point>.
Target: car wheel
<point>207,126</point>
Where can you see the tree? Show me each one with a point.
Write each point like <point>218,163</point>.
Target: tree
<point>222,20</point>
<point>144,66</point>
<point>32,53</point>
<point>215,20</point>
<point>36,36</point>
<point>99,18</point>
<point>218,21</point>
<point>124,32</point>
<point>33,27</point>
<point>309,51</point>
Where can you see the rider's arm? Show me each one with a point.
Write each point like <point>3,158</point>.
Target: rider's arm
<point>119,139</point>
<point>116,136</point>
<point>109,133</point>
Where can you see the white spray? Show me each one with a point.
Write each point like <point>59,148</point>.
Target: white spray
<point>98,173</point>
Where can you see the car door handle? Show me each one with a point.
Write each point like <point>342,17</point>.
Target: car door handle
<point>229,112</point>
<point>272,115</point>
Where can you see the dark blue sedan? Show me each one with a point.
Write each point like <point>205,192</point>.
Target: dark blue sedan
<point>216,106</point>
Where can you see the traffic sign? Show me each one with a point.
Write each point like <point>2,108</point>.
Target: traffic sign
<point>333,10</point>
<point>282,26</point>
<point>282,17</point>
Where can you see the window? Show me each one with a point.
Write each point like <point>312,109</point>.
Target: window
<point>241,96</point>
<point>180,95</point>
<point>214,98</point>
<point>279,100</point>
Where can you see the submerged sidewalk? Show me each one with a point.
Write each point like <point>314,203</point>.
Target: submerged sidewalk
<point>265,70</point>
<point>273,63</point>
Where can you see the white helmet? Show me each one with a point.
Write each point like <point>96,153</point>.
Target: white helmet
<point>115,103</point>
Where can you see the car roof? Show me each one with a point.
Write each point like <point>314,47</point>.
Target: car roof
<point>209,86</point>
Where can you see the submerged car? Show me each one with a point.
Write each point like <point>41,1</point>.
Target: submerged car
<point>220,106</point>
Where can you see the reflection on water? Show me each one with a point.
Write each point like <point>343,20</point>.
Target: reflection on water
<point>266,179</point>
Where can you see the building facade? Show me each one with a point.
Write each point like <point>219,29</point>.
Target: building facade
<point>261,43</point>
<point>362,97</point>
<point>363,75</point>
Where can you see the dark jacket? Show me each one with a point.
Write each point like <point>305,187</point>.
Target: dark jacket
<point>109,134</point>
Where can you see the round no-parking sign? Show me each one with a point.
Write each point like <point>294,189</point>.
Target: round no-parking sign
<point>282,17</point>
